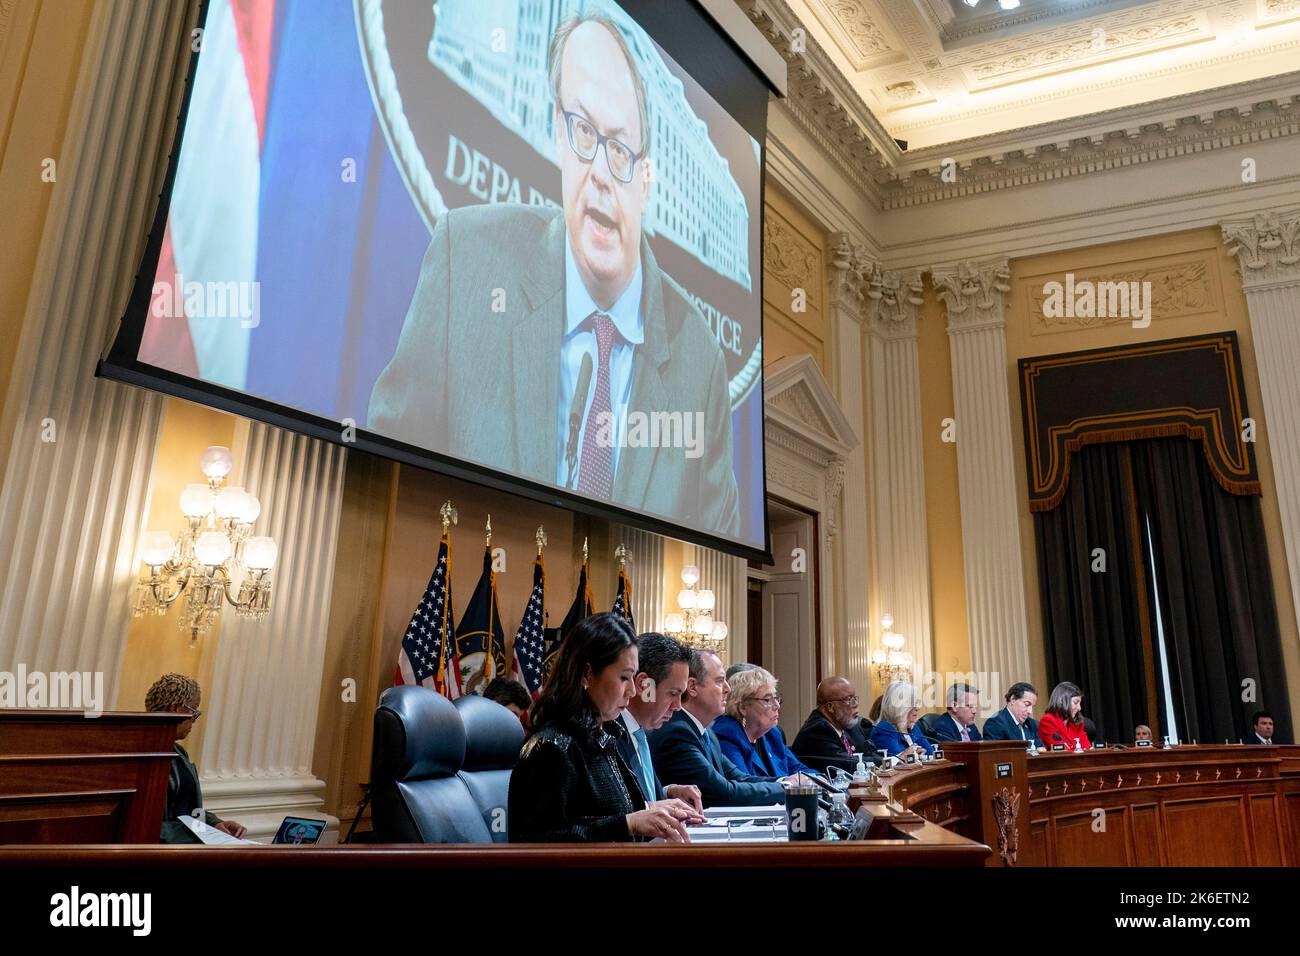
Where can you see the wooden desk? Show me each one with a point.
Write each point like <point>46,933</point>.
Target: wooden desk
<point>930,846</point>
<point>68,778</point>
<point>1208,805</point>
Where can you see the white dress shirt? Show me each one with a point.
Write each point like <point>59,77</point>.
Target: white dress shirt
<point>695,720</point>
<point>580,340</point>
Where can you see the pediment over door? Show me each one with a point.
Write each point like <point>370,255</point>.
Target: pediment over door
<point>808,437</point>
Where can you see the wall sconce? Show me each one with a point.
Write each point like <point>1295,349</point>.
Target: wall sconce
<point>694,625</point>
<point>890,662</point>
<point>208,557</point>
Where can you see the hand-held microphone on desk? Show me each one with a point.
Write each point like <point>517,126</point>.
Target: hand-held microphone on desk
<point>576,408</point>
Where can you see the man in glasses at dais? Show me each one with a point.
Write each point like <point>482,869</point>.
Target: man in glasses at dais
<point>514,300</point>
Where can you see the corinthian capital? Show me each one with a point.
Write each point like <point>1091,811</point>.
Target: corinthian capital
<point>1267,247</point>
<point>892,301</point>
<point>975,293</point>
<point>847,271</point>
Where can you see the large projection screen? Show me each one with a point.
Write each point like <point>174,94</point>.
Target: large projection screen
<point>514,241</point>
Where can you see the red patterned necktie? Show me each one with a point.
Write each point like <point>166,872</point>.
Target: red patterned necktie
<point>596,473</point>
<point>848,747</point>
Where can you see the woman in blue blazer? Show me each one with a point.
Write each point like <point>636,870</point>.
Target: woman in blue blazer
<point>897,732</point>
<point>748,732</point>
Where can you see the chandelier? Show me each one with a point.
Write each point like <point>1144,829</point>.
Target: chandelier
<point>890,662</point>
<point>212,554</point>
<point>694,626</point>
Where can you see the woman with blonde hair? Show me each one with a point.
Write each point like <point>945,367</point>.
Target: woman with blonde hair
<point>748,732</point>
<point>898,733</point>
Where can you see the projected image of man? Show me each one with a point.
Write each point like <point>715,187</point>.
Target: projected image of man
<point>594,371</point>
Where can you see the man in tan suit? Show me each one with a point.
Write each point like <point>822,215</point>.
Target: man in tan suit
<point>512,301</point>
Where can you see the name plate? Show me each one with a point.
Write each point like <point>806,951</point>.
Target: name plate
<point>1056,747</point>
<point>1144,743</point>
<point>1002,770</point>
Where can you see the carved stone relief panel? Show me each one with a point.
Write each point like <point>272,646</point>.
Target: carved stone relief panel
<point>1180,287</point>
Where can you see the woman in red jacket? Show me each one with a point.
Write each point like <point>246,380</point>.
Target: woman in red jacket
<point>1061,724</point>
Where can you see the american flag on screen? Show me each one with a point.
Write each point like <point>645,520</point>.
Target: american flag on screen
<point>428,654</point>
<point>530,639</point>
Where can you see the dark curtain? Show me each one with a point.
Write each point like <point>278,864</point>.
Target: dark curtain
<point>1094,621</point>
<point>1215,591</point>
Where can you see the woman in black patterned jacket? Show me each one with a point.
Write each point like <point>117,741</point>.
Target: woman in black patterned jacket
<point>571,785</point>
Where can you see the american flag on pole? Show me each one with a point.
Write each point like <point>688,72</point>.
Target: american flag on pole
<point>428,655</point>
<point>583,607</point>
<point>623,600</point>
<point>530,639</point>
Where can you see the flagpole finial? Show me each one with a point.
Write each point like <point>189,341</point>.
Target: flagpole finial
<point>449,515</point>
<point>623,555</point>
<point>541,539</point>
<point>584,550</point>
<point>487,535</point>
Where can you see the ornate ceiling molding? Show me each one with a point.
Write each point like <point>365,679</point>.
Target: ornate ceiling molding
<point>1267,247</point>
<point>1130,144</point>
<point>823,102</point>
<point>1087,49</point>
<point>825,106</point>
<point>856,33</point>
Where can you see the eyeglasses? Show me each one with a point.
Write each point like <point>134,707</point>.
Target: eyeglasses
<point>851,699</point>
<point>585,142</point>
<point>772,700</point>
<point>194,714</point>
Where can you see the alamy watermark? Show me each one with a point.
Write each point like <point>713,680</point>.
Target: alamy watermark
<point>181,298</point>
<point>71,690</point>
<point>652,430</point>
<point>1086,299</point>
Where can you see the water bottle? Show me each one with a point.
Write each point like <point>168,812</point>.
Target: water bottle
<point>841,818</point>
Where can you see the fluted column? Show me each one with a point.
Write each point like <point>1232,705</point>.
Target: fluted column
<point>846,637</point>
<point>986,474</point>
<point>646,571</point>
<point>1267,248</point>
<point>266,680</point>
<point>725,576</point>
<point>79,450</point>
<point>899,538</point>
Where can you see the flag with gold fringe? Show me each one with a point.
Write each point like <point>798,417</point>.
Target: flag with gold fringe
<point>428,654</point>
<point>583,607</point>
<point>623,599</point>
<point>480,641</point>
<point>530,638</point>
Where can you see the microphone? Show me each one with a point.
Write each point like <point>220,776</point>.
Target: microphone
<point>576,408</point>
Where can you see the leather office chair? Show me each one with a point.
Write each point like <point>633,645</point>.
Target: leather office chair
<point>419,749</point>
<point>927,722</point>
<point>493,736</point>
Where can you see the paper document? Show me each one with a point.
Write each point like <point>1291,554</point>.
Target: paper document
<point>211,836</point>
<point>724,813</point>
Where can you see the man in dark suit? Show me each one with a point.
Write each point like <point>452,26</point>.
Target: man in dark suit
<point>956,723</point>
<point>660,685</point>
<point>512,300</point>
<point>1261,728</point>
<point>833,735</point>
<point>1015,721</point>
<point>686,750</point>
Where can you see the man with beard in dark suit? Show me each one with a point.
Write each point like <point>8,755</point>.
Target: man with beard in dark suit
<point>834,734</point>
